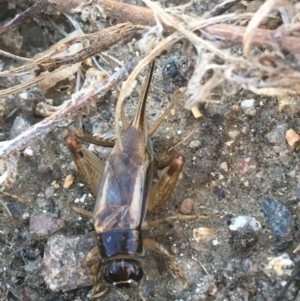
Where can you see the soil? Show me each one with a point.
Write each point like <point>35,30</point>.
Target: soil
<point>236,158</point>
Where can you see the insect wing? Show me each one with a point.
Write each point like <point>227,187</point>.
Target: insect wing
<point>89,166</point>
<point>124,188</point>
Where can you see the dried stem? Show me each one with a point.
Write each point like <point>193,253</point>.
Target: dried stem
<point>79,100</point>
<point>235,34</point>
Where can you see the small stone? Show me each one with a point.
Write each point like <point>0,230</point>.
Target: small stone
<point>244,232</point>
<point>277,135</point>
<point>25,215</point>
<point>43,225</point>
<point>195,144</point>
<point>148,288</point>
<point>215,242</point>
<point>206,288</point>
<point>174,249</point>
<point>203,234</point>
<point>224,166</point>
<point>292,138</point>
<point>19,126</point>
<point>279,219</point>
<point>16,209</point>
<point>246,165</point>
<point>281,265</point>
<point>28,152</point>
<point>13,40</point>
<point>229,143</point>
<point>64,263</point>
<point>242,220</point>
<point>68,181</point>
<point>248,107</point>
<point>49,191</point>
<point>27,101</point>
<point>183,246</point>
<point>233,133</point>
<point>187,206</point>
<point>219,192</point>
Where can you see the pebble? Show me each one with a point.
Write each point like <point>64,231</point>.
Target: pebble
<point>206,288</point>
<point>248,107</point>
<point>279,219</point>
<point>281,264</point>
<point>16,209</point>
<point>203,234</point>
<point>27,101</point>
<point>43,225</point>
<point>187,206</point>
<point>25,215</point>
<point>49,191</point>
<point>233,133</point>
<point>242,220</point>
<point>244,232</point>
<point>64,262</point>
<point>174,249</point>
<point>219,192</point>
<point>246,165</point>
<point>277,135</point>
<point>13,40</point>
<point>224,166</point>
<point>292,138</point>
<point>19,126</point>
<point>195,144</point>
<point>148,288</point>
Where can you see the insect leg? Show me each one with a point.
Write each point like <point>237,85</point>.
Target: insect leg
<point>98,140</point>
<point>178,218</point>
<point>93,261</point>
<point>163,188</point>
<point>157,123</point>
<point>80,211</point>
<point>158,248</point>
<point>89,166</point>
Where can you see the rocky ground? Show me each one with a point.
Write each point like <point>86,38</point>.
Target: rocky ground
<point>242,163</point>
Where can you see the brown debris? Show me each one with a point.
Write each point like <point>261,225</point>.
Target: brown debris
<point>292,138</point>
<point>68,181</point>
<point>43,225</point>
<point>203,234</point>
<point>187,206</point>
<point>79,100</point>
<point>196,112</point>
<point>246,165</point>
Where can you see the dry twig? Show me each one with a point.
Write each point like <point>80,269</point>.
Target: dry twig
<point>79,100</point>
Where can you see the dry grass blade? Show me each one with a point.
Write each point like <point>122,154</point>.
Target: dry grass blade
<point>58,64</point>
<point>270,72</point>
<point>15,57</point>
<point>79,99</point>
<point>167,42</point>
<point>99,42</point>
<point>255,21</point>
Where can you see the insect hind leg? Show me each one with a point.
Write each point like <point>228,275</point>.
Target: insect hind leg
<point>158,248</point>
<point>165,185</point>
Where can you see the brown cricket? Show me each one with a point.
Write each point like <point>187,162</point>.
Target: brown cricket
<point>125,192</point>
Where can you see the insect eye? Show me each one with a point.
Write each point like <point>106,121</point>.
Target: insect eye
<point>122,272</point>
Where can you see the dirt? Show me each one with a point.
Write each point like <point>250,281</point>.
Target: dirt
<point>234,164</point>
